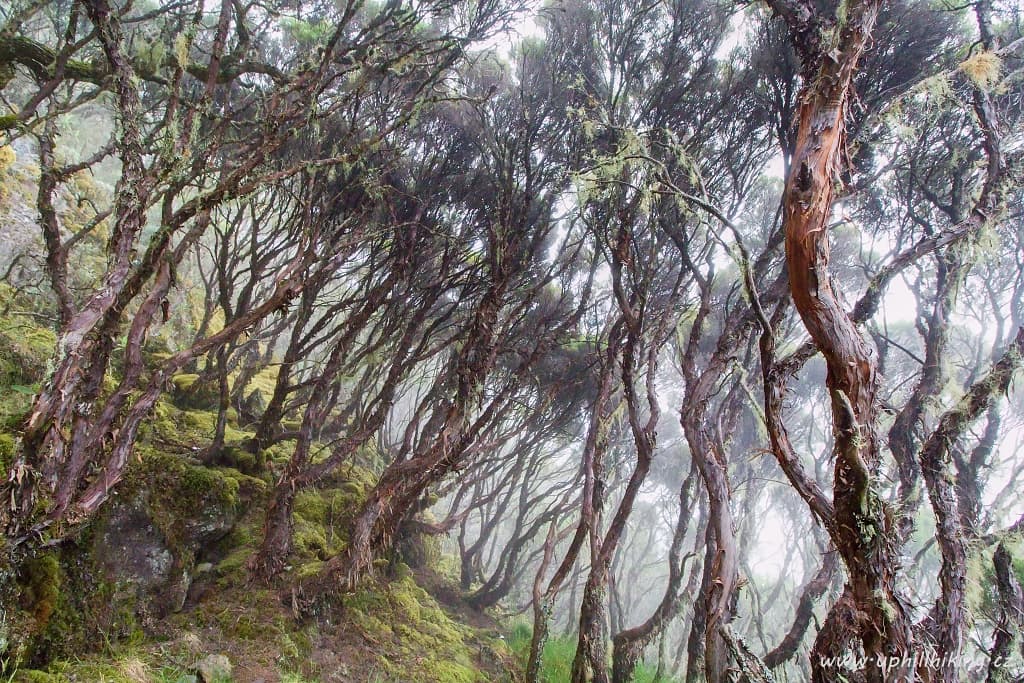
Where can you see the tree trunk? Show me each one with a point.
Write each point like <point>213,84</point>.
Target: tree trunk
<point>951,606</point>
<point>862,532</point>
<point>814,589</point>
<point>695,642</point>
<point>1011,616</point>
<point>628,645</point>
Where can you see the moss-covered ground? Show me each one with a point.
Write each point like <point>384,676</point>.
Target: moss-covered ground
<point>391,630</point>
<point>73,622</point>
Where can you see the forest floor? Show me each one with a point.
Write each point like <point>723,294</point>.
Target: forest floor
<point>391,630</point>
<point>103,609</point>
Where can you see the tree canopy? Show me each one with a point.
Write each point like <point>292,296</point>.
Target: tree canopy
<point>692,326</point>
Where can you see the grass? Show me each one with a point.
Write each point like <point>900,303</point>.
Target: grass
<point>559,653</point>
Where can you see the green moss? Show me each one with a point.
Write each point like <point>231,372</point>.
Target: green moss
<point>449,672</point>
<point>249,487</point>
<point>184,381</point>
<point>264,382</point>
<point>418,550</point>
<point>191,392</point>
<point>41,591</point>
<point>25,349</point>
<point>321,517</point>
<point>418,639</point>
<point>67,607</point>
<point>311,540</point>
<point>193,429</point>
<point>34,676</point>
<point>311,506</point>
<point>202,421</point>
<point>182,496</point>
<point>6,451</point>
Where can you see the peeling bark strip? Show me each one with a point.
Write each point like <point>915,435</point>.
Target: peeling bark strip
<point>860,532</point>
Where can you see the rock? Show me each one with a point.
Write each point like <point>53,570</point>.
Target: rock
<point>169,512</point>
<point>214,669</point>
<point>132,549</point>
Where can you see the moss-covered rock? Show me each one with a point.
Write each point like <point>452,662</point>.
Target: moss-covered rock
<point>322,516</point>
<point>416,549</point>
<point>168,513</point>
<point>63,605</point>
<point>191,391</point>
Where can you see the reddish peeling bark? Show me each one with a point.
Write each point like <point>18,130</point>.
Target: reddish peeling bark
<point>861,532</point>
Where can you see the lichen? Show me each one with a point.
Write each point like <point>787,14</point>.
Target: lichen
<point>984,69</point>
<point>7,158</point>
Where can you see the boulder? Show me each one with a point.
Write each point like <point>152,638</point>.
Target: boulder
<point>214,669</point>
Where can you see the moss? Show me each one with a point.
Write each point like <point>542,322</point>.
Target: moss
<point>202,421</point>
<point>191,392</point>
<point>449,672</point>
<point>234,565</point>
<point>418,550</point>
<point>308,570</point>
<point>25,349</point>
<point>41,591</point>
<point>314,506</point>
<point>124,668</point>
<point>192,430</point>
<point>321,517</point>
<point>249,488</point>
<point>264,382</point>
<point>184,381</point>
<point>34,676</point>
<point>67,607</point>
<point>311,541</point>
<point>418,639</point>
<point>243,626</point>
<point>185,501</point>
<point>6,451</point>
